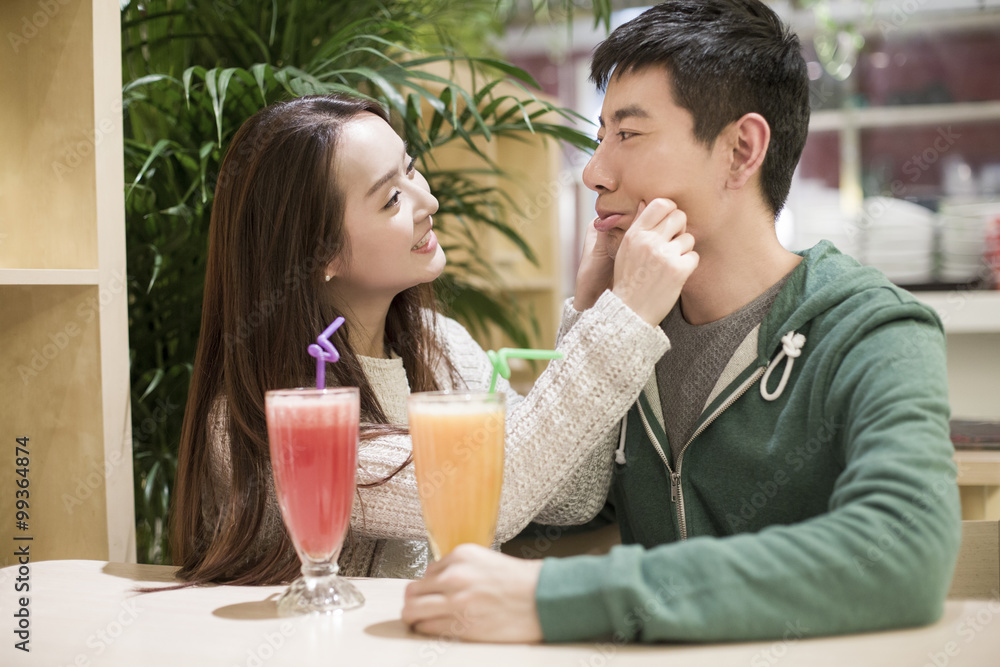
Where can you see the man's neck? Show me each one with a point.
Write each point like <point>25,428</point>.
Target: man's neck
<point>733,270</point>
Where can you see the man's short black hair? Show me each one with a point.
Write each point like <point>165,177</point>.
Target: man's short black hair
<point>726,58</point>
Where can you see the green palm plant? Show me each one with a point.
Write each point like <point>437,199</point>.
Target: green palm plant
<point>194,70</point>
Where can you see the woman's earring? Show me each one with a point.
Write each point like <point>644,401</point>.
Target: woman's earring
<point>328,278</point>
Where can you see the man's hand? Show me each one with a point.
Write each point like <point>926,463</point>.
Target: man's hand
<point>477,595</point>
<point>597,269</point>
<point>654,260</point>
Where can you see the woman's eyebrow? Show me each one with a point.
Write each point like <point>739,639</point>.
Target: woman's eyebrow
<point>388,175</point>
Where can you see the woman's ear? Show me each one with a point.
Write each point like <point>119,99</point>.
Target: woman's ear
<point>339,264</point>
<point>331,270</point>
<point>749,139</point>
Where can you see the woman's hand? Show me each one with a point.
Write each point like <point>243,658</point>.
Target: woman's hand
<point>476,594</point>
<point>654,260</point>
<point>597,269</point>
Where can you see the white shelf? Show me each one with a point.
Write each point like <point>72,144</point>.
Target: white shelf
<point>904,116</point>
<point>49,277</point>
<point>966,311</point>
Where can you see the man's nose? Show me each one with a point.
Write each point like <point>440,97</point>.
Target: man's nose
<point>597,175</point>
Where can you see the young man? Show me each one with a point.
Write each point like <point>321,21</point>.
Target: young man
<point>787,469</point>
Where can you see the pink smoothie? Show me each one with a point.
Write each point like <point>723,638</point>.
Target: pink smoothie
<point>314,448</point>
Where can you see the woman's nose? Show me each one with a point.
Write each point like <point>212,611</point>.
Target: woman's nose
<point>427,202</point>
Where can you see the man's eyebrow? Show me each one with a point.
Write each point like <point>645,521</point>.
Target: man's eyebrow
<point>630,111</point>
<point>388,175</point>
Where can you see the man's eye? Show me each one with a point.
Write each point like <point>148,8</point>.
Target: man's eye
<point>598,139</point>
<point>393,200</point>
<point>625,134</point>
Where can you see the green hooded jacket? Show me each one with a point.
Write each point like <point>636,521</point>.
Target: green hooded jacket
<point>820,502</point>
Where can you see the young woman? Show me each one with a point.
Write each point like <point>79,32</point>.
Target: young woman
<point>319,212</point>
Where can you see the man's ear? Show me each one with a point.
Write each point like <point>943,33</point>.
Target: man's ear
<point>749,138</point>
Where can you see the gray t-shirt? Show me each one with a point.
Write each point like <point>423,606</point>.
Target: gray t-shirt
<point>687,373</point>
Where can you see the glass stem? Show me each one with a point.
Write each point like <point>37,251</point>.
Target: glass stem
<point>317,570</point>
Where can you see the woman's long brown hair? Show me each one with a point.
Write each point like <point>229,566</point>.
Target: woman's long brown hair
<point>277,223</point>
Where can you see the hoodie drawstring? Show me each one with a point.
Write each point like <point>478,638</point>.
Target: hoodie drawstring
<point>620,452</point>
<point>791,347</point>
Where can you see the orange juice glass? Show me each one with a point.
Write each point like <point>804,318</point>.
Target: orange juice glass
<point>458,440</point>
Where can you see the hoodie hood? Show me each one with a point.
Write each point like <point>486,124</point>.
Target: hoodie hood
<point>824,281</point>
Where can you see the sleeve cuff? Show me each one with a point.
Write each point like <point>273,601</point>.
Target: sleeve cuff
<point>570,314</point>
<point>568,599</point>
<point>612,312</point>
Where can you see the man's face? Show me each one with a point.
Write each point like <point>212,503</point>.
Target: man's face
<point>648,150</point>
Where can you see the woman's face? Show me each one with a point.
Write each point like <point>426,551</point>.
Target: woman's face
<point>387,214</point>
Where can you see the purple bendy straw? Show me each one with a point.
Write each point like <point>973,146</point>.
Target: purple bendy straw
<point>324,351</point>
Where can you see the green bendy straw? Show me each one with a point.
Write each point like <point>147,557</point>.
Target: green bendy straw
<point>500,357</point>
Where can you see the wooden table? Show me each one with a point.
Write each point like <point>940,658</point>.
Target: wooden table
<point>85,613</point>
<point>979,483</point>
<point>978,467</point>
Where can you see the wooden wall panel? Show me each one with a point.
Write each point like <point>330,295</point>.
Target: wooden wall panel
<point>51,379</point>
<point>47,131</point>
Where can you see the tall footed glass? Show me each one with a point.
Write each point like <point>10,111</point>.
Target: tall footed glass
<point>313,435</point>
<point>458,441</point>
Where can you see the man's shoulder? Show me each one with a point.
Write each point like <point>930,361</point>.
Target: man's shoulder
<point>839,286</point>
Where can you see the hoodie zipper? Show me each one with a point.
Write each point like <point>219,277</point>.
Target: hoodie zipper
<point>676,491</point>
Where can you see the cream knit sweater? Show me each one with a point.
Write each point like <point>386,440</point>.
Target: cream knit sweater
<point>559,442</point>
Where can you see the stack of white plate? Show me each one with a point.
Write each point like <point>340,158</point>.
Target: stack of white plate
<point>817,217</point>
<point>898,239</point>
<point>963,240</point>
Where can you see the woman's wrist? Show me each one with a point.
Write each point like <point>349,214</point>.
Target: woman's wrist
<point>585,299</point>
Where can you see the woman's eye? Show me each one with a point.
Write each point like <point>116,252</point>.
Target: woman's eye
<point>411,166</point>
<point>394,199</point>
